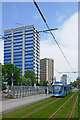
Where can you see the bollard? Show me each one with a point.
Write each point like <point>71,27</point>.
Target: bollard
<point>54,97</point>
<point>6,94</point>
<point>72,98</point>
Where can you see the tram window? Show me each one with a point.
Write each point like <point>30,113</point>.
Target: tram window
<point>57,88</point>
<point>64,89</point>
<point>61,89</point>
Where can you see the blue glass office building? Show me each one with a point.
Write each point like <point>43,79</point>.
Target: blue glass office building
<point>22,48</point>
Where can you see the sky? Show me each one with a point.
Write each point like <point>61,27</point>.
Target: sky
<point>61,15</point>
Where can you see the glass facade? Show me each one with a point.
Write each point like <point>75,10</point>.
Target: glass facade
<point>25,50</point>
<point>7,48</point>
<point>17,48</point>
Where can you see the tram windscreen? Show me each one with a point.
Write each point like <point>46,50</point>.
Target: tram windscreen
<point>58,88</point>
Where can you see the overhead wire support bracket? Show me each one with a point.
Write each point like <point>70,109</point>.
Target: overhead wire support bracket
<point>49,30</point>
<point>46,31</point>
<point>68,72</point>
<point>51,33</point>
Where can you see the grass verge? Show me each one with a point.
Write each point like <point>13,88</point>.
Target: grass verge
<point>79,106</point>
<point>66,109</point>
<point>28,108</point>
<point>46,112</point>
<point>75,111</point>
<point>50,109</point>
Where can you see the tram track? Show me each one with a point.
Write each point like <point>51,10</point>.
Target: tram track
<point>40,108</point>
<point>73,108</point>
<point>60,107</point>
<point>34,110</point>
<point>28,107</point>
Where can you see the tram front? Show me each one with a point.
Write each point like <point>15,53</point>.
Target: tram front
<point>58,89</point>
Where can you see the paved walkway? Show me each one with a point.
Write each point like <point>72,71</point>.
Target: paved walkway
<point>13,104</point>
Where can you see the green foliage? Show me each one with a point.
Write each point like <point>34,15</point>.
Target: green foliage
<point>44,112</point>
<point>24,81</point>
<point>31,75</point>
<point>10,73</point>
<point>78,82</point>
<point>74,84</point>
<point>44,83</point>
<point>41,83</point>
<point>3,86</point>
<point>17,74</point>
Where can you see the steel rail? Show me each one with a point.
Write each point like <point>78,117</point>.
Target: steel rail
<point>72,108</point>
<point>39,108</point>
<point>29,107</point>
<point>60,107</point>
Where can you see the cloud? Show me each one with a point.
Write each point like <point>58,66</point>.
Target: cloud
<point>68,32</point>
<point>36,16</point>
<point>67,37</point>
<point>59,17</point>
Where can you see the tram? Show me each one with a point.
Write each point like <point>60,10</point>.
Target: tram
<point>61,89</point>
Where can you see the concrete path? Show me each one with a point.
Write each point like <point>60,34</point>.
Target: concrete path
<point>13,104</point>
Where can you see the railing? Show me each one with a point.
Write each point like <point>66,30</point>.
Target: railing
<point>22,91</point>
<point>50,89</point>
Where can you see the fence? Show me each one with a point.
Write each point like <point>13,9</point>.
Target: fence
<point>22,91</point>
<point>50,89</point>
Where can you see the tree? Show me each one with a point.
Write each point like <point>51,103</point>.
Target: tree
<point>37,83</point>
<point>10,73</point>
<point>44,83</point>
<point>3,86</point>
<point>74,84</point>
<point>78,82</point>
<point>17,74</point>
<point>31,75</point>
<point>41,83</point>
<point>24,81</point>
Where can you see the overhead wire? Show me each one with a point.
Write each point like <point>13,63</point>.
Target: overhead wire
<point>51,33</point>
<point>21,47</point>
<point>3,37</point>
<point>6,38</point>
<point>46,31</point>
<point>69,72</point>
<point>24,50</point>
<point>50,30</point>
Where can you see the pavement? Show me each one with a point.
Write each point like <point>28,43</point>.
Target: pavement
<point>8,105</point>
